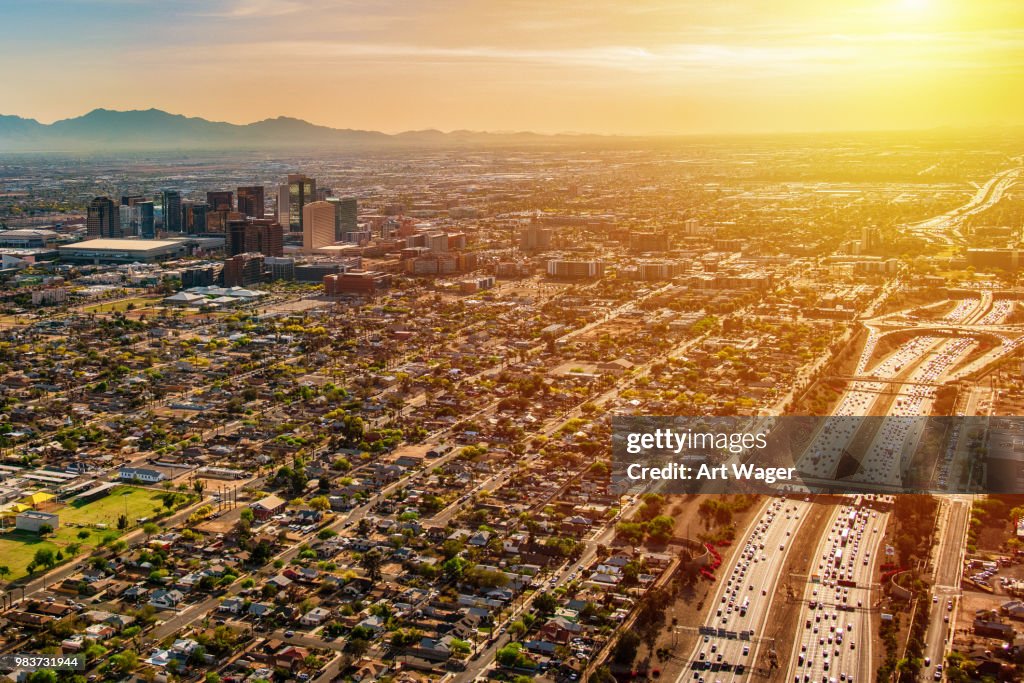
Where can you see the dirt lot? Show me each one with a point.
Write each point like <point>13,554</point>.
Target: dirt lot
<point>689,607</point>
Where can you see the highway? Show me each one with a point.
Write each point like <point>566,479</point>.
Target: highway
<point>948,562</point>
<point>946,226</point>
<point>834,628</point>
<point>915,367</point>
<point>744,597</point>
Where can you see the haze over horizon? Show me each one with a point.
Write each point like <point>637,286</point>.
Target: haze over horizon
<point>644,68</point>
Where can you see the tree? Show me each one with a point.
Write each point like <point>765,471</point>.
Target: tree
<point>625,649</point>
<point>42,676</point>
<point>320,503</point>
<point>545,603</point>
<point>150,528</point>
<point>371,562</point>
<point>44,557</point>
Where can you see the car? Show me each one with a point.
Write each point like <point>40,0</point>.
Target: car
<point>289,634</point>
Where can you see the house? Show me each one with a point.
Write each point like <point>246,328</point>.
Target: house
<point>560,630</point>
<point>261,609</point>
<point>166,599</point>
<point>433,650</point>
<point>288,657</point>
<point>315,616</point>
<point>143,474</point>
<point>231,605</point>
<point>265,508</point>
<point>99,631</point>
<point>994,629</point>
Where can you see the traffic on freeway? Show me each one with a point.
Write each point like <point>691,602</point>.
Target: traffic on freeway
<point>730,642</point>
<point>834,629</point>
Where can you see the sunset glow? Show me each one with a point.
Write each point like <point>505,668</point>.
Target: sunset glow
<point>641,67</point>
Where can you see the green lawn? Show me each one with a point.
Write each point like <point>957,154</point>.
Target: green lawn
<point>123,500</point>
<point>17,548</point>
<point>121,306</point>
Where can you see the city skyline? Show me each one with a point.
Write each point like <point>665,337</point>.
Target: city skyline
<point>649,68</point>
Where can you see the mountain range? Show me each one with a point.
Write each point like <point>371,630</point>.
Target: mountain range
<point>104,130</point>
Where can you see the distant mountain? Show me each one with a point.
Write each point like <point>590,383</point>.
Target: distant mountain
<point>104,130</point>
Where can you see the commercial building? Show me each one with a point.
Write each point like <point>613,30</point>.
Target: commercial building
<point>193,217</point>
<point>113,251</point>
<point>315,272</point>
<point>243,270</point>
<point>292,197</point>
<point>1004,259</point>
<point>317,226</point>
<point>33,520</point>
<point>143,474</point>
<point>535,238</point>
<point>280,268</point>
<point>575,270</point>
<point>221,200</point>
<point>658,270</point>
<point>103,218</point>
<point>648,241</point>
<point>254,235</point>
<point>170,206</point>
<point>250,201</point>
<point>356,282</point>
<point>144,213</point>
<point>200,276</point>
<point>28,238</point>
<point>345,217</point>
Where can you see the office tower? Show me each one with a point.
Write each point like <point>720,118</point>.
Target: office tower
<point>146,219</point>
<point>254,235</point>
<point>102,218</point>
<point>217,221</point>
<point>870,239</point>
<point>436,242</point>
<point>535,238</point>
<point>322,193</point>
<point>318,225</point>
<point>345,212</point>
<point>243,270</point>
<point>130,199</point>
<point>280,268</point>
<point>648,241</point>
<point>128,219</point>
<point>170,203</point>
<point>575,270</point>
<point>220,200</point>
<point>250,201</point>
<point>301,190</point>
<point>194,217</point>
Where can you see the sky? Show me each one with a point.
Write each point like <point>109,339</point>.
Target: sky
<point>596,66</point>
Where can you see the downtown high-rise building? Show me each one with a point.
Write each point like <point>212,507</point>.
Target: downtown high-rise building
<point>254,235</point>
<point>291,198</point>
<point>317,225</point>
<point>170,205</point>
<point>250,201</point>
<point>145,215</point>
<point>193,217</point>
<point>220,200</point>
<point>103,218</point>
<point>345,217</point>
